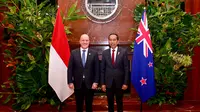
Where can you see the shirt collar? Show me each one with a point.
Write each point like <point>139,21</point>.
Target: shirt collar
<point>116,48</point>
<point>83,49</point>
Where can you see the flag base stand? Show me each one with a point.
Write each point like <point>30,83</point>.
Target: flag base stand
<point>140,106</point>
<point>60,107</point>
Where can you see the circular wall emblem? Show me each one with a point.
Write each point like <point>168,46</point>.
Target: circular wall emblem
<point>101,11</point>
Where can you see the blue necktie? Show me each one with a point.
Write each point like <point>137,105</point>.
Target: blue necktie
<point>83,57</point>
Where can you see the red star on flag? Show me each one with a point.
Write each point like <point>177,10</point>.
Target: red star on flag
<point>150,64</point>
<point>143,81</point>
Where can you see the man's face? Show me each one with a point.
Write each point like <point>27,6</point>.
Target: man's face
<point>84,41</point>
<point>113,42</point>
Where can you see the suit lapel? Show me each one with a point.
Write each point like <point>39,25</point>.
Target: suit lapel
<point>79,56</point>
<point>109,56</point>
<point>117,55</point>
<point>88,57</point>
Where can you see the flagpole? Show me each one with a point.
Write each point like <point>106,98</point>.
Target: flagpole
<point>60,109</point>
<point>61,103</point>
<point>146,3</point>
<point>140,106</point>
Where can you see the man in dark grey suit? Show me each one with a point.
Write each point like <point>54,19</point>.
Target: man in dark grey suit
<point>83,74</point>
<point>114,73</point>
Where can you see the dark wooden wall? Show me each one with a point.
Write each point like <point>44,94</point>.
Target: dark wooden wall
<point>99,32</point>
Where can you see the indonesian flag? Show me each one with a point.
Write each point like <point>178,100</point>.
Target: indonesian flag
<point>58,60</point>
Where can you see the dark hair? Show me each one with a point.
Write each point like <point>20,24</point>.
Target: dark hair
<point>114,34</point>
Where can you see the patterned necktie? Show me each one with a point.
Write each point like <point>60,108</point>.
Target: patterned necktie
<point>83,57</point>
<point>113,57</point>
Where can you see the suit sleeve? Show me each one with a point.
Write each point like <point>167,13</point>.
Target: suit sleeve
<point>70,69</point>
<point>126,68</point>
<point>103,66</point>
<point>96,68</point>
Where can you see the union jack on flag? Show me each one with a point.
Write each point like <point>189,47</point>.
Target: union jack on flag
<point>143,35</point>
<point>142,73</point>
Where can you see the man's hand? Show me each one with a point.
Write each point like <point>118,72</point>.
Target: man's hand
<point>71,86</point>
<point>124,87</point>
<point>94,85</point>
<point>103,87</point>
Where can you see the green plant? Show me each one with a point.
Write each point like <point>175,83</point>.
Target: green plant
<point>174,34</point>
<point>28,31</point>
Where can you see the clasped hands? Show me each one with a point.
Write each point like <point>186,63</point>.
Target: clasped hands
<point>103,87</point>
<point>94,86</point>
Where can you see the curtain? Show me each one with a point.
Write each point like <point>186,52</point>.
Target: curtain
<point>193,90</point>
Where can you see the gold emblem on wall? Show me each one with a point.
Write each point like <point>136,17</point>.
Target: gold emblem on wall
<point>101,11</point>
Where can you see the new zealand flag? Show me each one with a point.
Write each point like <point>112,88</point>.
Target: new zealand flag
<point>142,75</point>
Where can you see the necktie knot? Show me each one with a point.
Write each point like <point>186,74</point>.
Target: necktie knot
<point>113,50</point>
<point>84,51</point>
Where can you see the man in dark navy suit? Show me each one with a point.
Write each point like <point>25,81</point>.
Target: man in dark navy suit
<point>114,73</point>
<point>83,74</point>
